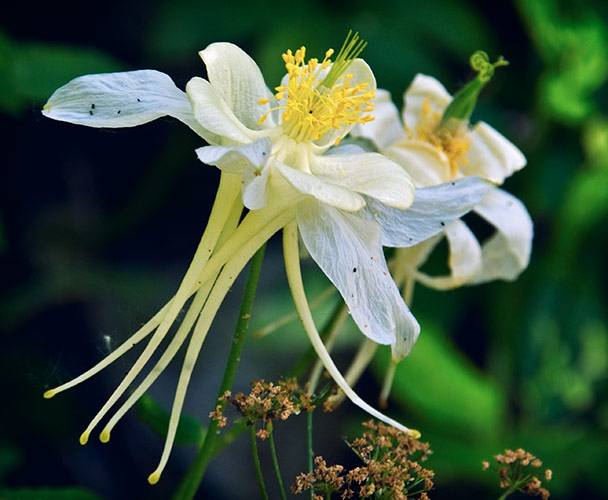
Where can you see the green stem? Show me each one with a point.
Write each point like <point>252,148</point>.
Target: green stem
<point>191,481</point>
<point>275,461</point>
<point>256,461</point>
<point>311,452</point>
<point>507,493</point>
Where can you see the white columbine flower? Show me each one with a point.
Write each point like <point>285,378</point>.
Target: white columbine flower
<point>436,144</point>
<point>274,153</point>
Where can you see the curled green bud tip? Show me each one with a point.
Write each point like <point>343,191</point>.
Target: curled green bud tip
<point>480,62</point>
<point>464,101</point>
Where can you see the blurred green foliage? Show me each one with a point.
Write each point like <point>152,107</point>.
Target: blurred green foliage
<point>499,365</point>
<point>189,430</point>
<point>572,41</point>
<point>30,72</point>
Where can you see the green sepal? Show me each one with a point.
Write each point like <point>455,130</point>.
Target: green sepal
<point>462,106</point>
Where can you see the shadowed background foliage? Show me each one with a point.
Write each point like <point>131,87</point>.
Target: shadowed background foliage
<point>96,227</point>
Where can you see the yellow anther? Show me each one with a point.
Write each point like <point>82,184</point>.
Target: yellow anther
<point>104,437</point>
<point>313,103</point>
<point>452,140</point>
<point>49,394</point>
<point>84,437</point>
<point>153,478</point>
<point>415,434</point>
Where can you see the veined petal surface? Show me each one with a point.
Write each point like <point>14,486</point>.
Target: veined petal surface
<point>323,190</point>
<point>492,155</point>
<point>506,254</point>
<point>426,164</point>
<point>433,209</point>
<point>347,247</point>
<point>386,128</point>
<point>464,260</point>
<point>235,159</point>
<point>214,115</point>
<point>239,81</point>
<point>371,174</point>
<point>424,88</point>
<point>114,100</point>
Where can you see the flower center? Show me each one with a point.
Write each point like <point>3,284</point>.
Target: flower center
<point>451,138</point>
<point>319,97</point>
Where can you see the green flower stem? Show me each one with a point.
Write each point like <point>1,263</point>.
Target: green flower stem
<point>507,493</point>
<point>191,481</point>
<point>517,485</point>
<point>275,461</point>
<point>311,453</point>
<point>256,461</point>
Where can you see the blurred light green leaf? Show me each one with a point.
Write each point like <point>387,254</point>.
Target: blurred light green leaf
<point>584,208</point>
<point>445,390</point>
<point>30,72</point>
<point>189,430</point>
<point>595,142</point>
<point>48,494</point>
<point>572,39</point>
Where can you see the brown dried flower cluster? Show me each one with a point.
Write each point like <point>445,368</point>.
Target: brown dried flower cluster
<point>516,473</point>
<point>390,470</point>
<point>266,402</point>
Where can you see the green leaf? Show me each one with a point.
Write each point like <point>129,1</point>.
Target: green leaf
<point>30,72</point>
<point>48,494</point>
<point>583,209</point>
<point>574,45</point>
<point>595,142</point>
<point>445,390</point>
<point>189,430</point>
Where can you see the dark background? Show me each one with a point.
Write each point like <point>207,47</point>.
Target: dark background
<point>97,227</point>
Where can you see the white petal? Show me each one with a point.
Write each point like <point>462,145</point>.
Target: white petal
<point>321,189</point>
<point>362,73</point>
<point>426,164</point>
<point>371,174</point>
<point>422,88</point>
<point>464,260</point>
<point>492,156</point>
<point>433,209</point>
<point>347,248</point>
<point>214,115</point>
<point>254,190</point>
<point>239,81</point>
<point>386,128</point>
<point>407,260</point>
<point>116,100</point>
<point>507,253</point>
<point>235,159</point>
<point>345,149</point>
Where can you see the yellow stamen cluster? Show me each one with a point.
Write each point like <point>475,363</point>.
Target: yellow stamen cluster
<point>310,108</point>
<point>452,138</point>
